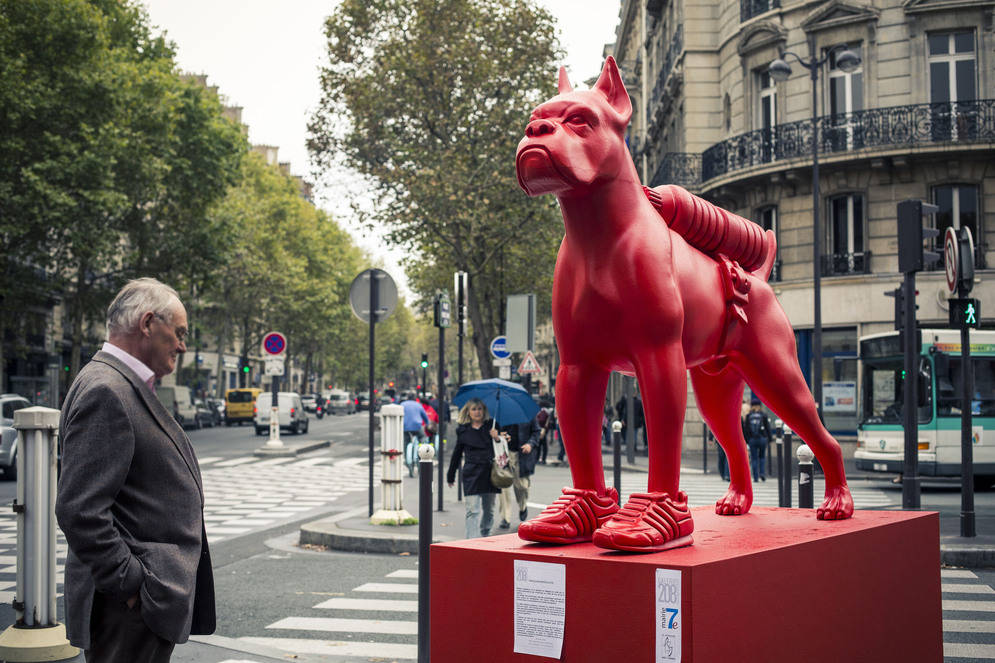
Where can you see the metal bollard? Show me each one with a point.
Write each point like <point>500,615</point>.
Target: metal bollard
<point>391,511</point>
<point>36,635</point>
<point>426,453</point>
<point>704,448</point>
<point>805,477</point>
<point>617,457</point>
<point>779,443</point>
<point>786,470</point>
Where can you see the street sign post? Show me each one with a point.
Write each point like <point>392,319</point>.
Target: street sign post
<point>274,366</point>
<point>274,344</point>
<point>529,365</point>
<point>274,347</point>
<point>499,347</point>
<point>372,297</point>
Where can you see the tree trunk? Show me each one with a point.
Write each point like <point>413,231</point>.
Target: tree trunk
<point>221,337</point>
<point>481,337</point>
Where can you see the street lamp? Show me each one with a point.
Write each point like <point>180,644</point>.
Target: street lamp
<point>779,70</point>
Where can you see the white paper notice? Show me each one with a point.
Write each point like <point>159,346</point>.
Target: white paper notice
<point>540,607</point>
<point>668,616</point>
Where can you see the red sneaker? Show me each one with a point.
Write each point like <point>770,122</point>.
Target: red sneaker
<point>649,522</point>
<point>572,518</point>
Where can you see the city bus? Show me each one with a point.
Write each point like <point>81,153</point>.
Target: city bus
<point>880,434</point>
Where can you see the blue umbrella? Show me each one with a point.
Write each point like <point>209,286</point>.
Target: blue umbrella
<point>507,402</point>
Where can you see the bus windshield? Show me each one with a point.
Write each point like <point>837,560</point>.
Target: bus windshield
<point>884,390</point>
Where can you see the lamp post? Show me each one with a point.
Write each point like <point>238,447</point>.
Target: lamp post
<point>779,70</point>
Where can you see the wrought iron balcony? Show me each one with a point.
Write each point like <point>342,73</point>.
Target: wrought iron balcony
<point>840,264</point>
<point>896,126</point>
<point>750,8</point>
<point>681,168</point>
<point>663,77</point>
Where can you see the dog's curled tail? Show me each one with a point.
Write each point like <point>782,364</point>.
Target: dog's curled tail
<point>713,230</point>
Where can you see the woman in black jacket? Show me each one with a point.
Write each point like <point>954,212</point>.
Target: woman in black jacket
<point>474,436</point>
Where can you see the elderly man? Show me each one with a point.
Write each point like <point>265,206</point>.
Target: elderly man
<point>130,501</point>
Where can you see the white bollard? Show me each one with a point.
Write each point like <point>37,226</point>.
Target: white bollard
<point>36,635</point>
<point>391,512</point>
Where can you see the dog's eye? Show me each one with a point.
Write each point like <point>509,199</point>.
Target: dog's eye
<point>576,119</point>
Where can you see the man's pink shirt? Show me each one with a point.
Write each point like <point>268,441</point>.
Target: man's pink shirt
<point>144,373</point>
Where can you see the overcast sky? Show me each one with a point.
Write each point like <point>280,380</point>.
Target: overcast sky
<point>264,56</point>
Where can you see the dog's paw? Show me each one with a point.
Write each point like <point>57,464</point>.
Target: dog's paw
<point>838,504</point>
<point>735,502</point>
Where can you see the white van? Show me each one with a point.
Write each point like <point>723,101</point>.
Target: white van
<point>178,401</point>
<point>292,416</point>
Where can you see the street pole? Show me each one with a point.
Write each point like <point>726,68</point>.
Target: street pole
<point>442,410</point>
<point>910,409</point>
<point>966,443</point>
<point>816,237</point>
<point>374,305</point>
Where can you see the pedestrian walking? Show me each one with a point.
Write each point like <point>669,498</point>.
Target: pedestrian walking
<point>415,421</point>
<point>523,440</point>
<point>474,434</point>
<point>130,502</point>
<point>543,420</point>
<point>758,434</point>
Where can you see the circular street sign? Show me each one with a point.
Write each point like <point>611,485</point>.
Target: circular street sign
<point>499,347</point>
<point>386,295</point>
<point>274,343</point>
<point>951,258</point>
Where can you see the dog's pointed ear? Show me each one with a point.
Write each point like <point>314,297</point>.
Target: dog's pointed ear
<point>610,85</point>
<point>564,82</point>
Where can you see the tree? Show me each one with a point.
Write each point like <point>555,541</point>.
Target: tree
<point>428,99</point>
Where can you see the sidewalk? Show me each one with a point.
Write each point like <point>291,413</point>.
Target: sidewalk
<point>352,531</point>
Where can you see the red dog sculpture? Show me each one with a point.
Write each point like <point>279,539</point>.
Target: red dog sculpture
<point>650,283</point>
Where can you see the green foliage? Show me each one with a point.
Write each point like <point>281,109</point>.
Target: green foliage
<point>428,99</point>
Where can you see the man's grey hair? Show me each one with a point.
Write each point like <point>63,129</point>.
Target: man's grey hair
<point>137,297</point>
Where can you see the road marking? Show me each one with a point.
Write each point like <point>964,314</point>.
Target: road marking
<point>957,573</point>
<point>347,625</point>
<point>967,626</point>
<point>242,460</point>
<point>403,573</point>
<point>208,460</point>
<point>375,650</point>
<point>958,588</point>
<point>973,606</point>
<point>388,587</point>
<point>368,604</point>
<point>275,461</point>
<point>965,650</point>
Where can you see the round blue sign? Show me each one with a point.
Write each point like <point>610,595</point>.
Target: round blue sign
<point>499,347</point>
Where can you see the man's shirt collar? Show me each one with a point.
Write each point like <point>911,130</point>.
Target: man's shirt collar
<point>144,373</point>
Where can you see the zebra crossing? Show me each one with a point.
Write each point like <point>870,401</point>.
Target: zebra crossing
<point>705,489</point>
<point>968,617</point>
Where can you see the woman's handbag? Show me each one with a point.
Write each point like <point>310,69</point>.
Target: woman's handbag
<point>502,472</point>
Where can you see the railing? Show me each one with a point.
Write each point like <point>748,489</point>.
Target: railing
<point>839,264</point>
<point>898,126</point>
<point>676,46</point>
<point>678,168</point>
<point>750,8</point>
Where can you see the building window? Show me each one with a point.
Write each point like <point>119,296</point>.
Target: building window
<point>846,96</point>
<point>958,205</point>
<point>845,252</point>
<point>767,113</point>
<point>767,218</point>
<point>953,84</point>
<point>750,8</point>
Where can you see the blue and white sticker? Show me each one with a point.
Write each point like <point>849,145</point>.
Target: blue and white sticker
<point>668,616</point>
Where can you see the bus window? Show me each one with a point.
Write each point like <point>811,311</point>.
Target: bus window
<point>884,391</point>
<point>949,397</point>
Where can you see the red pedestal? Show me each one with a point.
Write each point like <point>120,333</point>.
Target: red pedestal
<point>774,585</point>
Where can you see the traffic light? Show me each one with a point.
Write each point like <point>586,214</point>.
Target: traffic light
<point>965,312</point>
<point>911,235</point>
<point>424,360</point>
<point>899,296</point>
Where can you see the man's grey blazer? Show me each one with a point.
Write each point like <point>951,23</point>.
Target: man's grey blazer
<point>131,505</point>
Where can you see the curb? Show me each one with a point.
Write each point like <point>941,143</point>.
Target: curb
<point>328,532</point>
<point>291,450</point>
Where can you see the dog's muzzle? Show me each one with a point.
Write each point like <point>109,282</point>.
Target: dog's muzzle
<point>537,174</point>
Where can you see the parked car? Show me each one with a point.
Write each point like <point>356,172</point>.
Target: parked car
<point>240,404</point>
<point>178,400</point>
<point>207,415</point>
<point>363,401</point>
<point>292,416</point>
<point>339,402</point>
<point>9,404</point>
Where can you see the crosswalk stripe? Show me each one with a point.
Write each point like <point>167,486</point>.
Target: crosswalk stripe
<point>377,650</point>
<point>967,626</point>
<point>957,573</point>
<point>274,461</point>
<point>403,573</point>
<point>232,462</point>
<point>967,650</point>
<point>972,606</point>
<point>965,588</point>
<point>347,625</point>
<point>396,605</point>
<point>208,460</point>
<point>387,587</point>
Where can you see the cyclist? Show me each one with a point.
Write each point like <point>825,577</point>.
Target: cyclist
<point>415,421</point>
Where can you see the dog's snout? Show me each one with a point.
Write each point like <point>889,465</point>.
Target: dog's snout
<point>538,128</point>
